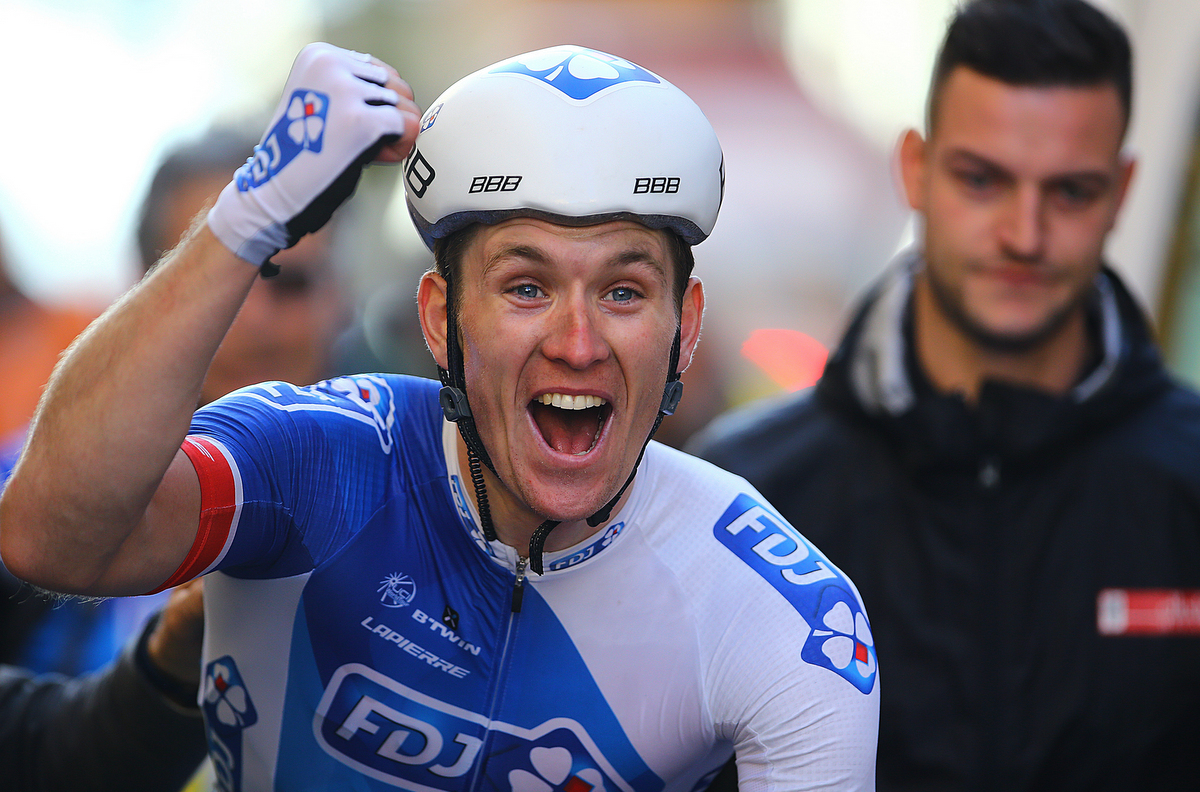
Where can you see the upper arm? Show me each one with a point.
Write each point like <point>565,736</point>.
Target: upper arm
<point>797,684</point>
<point>797,720</point>
<point>160,542</point>
<point>47,541</point>
<point>823,738</point>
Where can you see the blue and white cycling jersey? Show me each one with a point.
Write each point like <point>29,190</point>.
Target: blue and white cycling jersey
<point>362,634</point>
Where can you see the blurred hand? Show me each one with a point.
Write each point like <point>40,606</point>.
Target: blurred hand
<point>174,645</point>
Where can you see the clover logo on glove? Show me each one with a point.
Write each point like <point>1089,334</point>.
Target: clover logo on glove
<point>300,128</point>
<point>306,119</point>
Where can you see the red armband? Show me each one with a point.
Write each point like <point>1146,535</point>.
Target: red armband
<point>220,505</point>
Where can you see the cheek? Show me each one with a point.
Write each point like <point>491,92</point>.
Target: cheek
<point>956,210</point>
<point>1082,239</point>
<point>646,363</point>
<point>480,368</point>
<point>492,369</point>
<point>959,231</point>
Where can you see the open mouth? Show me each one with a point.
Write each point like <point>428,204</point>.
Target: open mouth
<point>570,424</point>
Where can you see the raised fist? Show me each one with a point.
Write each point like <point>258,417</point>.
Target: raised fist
<point>339,111</point>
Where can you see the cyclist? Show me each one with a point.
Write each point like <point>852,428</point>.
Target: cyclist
<point>578,617</point>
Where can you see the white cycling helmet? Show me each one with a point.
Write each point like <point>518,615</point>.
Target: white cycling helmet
<point>569,134</point>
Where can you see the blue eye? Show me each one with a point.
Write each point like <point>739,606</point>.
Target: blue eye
<point>622,294</point>
<point>528,291</point>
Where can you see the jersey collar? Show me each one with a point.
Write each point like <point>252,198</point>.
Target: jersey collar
<point>557,561</point>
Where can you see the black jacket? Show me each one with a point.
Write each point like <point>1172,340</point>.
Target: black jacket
<point>981,540</point>
<point>107,731</point>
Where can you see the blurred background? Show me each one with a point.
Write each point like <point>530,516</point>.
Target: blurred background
<point>807,96</point>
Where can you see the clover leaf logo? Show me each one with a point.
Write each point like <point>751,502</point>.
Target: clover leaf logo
<point>579,73</point>
<point>847,645</point>
<point>225,697</point>
<point>553,773</point>
<point>306,119</point>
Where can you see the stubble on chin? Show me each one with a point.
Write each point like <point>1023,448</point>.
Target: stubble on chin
<point>952,305</point>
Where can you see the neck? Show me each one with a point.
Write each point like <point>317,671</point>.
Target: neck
<point>514,521</point>
<point>955,362</point>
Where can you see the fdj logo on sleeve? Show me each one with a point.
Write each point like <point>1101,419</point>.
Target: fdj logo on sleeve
<point>841,637</point>
<point>301,128</point>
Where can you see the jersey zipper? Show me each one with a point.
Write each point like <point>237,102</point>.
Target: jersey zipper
<point>501,676</point>
<point>519,585</point>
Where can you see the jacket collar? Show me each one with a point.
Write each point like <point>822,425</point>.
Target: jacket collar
<point>878,346</point>
<point>873,376</point>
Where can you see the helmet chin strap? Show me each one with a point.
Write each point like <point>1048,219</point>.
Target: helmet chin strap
<point>453,400</point>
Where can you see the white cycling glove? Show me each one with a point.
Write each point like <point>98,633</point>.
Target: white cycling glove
<point>334,117</point>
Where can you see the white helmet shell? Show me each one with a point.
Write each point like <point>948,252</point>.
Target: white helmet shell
<point>569,134</point>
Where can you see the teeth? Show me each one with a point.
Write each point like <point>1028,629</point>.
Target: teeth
<point>565,401</point>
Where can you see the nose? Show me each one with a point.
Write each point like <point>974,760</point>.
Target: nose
<point>1022,228</point>
<point>573,334</point>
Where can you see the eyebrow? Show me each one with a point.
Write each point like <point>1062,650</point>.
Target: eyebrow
<point>628,257</point>
<point>963,156</point>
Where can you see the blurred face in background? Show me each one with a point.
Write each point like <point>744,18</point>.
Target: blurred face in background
<point>286,328</point>
<point>1018,188</point>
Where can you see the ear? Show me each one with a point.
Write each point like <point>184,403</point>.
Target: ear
<point>691,316</point>
<point>1128,167</point>
<point>431,307</point>
<point>911,153</point>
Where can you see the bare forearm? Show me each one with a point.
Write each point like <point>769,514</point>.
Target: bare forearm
<point>102,501</point>
<point>113,416</point>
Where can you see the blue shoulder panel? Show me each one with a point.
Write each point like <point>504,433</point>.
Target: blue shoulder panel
<point>841,639</point>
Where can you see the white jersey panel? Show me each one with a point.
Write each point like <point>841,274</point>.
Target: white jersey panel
<point>251,620</point>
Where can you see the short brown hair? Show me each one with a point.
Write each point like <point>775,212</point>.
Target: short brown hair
<point>1035,43</point>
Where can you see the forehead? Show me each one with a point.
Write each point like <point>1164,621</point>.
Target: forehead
<point>541,241</point>
<point>1054,128</point>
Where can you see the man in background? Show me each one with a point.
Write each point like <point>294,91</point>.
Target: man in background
<point>995,454</point>
<point>287,327</point>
